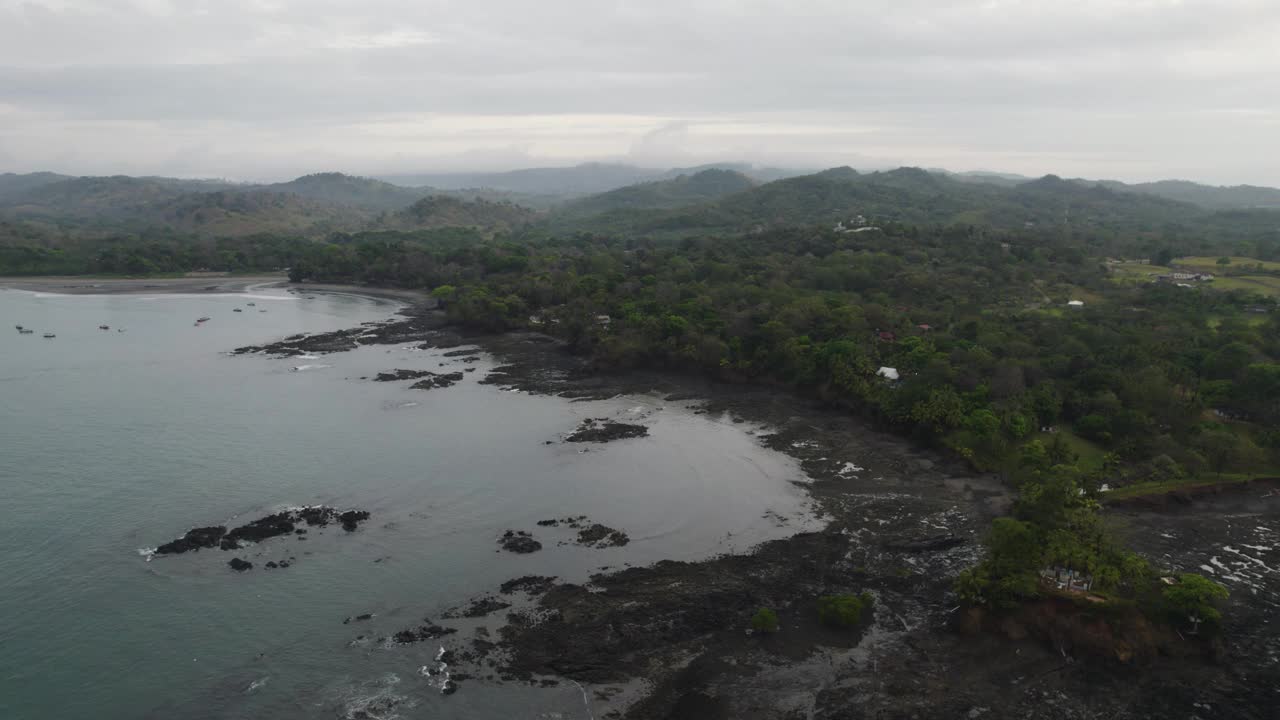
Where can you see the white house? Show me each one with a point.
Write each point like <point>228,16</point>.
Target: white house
<point>888,373</point>
<point>1075,303</point>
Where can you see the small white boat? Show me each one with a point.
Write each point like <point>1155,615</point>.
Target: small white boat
<point>203,319</point>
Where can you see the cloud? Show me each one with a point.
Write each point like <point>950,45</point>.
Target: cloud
<point>1126,88</point>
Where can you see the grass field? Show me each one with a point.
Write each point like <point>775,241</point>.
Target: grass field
<point>1261,284</point>
<point>1156,488</point>
<point>1129,273</point>
<point>1210,264</point>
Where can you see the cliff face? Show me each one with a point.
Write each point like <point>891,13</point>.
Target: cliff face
<point>1073,628</point>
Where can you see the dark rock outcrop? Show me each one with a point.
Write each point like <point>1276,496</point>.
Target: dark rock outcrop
<point>433,380</point>
<point>401,375</point>
<point>240,565</point>
<point>932,543</point>
<point>264,528</point>
<point>426,631</point>
<point>601,430</point>
<point>602,536</point>
<point>351,519</point>
<point>274,525</point>
<point>532,584</point>
<point>194,539</point>
<point>480,607</point>
<point>519,542</point>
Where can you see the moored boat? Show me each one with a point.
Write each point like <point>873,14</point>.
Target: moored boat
<point>50,335</point>
<point>24,331</point>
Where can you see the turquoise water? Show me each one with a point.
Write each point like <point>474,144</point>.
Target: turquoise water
<point>114,442</point>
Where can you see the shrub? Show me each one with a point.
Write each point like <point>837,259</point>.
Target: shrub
<point>765,620</point>
<point>844,611</point>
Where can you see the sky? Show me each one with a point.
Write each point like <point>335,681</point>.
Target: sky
<point>270,89</point>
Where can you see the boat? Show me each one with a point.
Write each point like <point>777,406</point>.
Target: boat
<point>25,332</point>
<point>103,327</point>
<point>50,335</point>
<point>203,319</point>
<point>251,304</point>
<point>18,327</point>
<point>236,310</point>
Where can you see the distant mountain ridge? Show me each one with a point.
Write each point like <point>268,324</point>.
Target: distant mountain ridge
<point>909,195</point>
<point>437,211</point>
<point>576,180</point>
<point>311,205</point>
<point>351,190</point>
<point>681,190</point>
<point>722,197</point>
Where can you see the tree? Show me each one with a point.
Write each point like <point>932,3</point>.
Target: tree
<point>1217,446</point>
<point>983,423</point>
<point>944,409</point>
<point>765,620</point>
<point>1034,457</point>
<point>1224,261</point>
<point>843,611</point>
<point>1193,599</point>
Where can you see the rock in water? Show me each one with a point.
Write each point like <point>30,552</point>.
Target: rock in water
<point>401,375</point>
<point>351,519</point>
<point>259,530</point>
<point>276,524</point>
<point>196,538</point>
<point>602,536</point>
<point>240,565</point>
<point>532,584</point>
<point>519,542</point>
<point>600,430</point>
<point>437,381</point>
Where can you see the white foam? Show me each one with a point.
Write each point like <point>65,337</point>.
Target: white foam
<point>849,469</point>
<point>257,684</point>
<point>147,553</point>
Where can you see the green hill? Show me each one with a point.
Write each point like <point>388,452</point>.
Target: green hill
<point>681,190</point>
<point>12,184</point>
<point>438,211</point>
<point>909,195</point>
<point>344,189</point>
<point>1207,196</point>
<point>245,212</point>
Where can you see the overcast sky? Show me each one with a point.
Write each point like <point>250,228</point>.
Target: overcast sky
<point>268,89</point>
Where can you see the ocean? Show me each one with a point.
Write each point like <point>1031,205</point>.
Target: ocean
<point>115,441</point>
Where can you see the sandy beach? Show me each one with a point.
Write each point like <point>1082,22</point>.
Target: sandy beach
<point>73,285</point>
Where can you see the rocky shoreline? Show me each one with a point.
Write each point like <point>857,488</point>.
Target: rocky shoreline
<point>902,521</point>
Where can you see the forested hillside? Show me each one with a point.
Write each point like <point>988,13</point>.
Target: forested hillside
<point>699,187</point>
